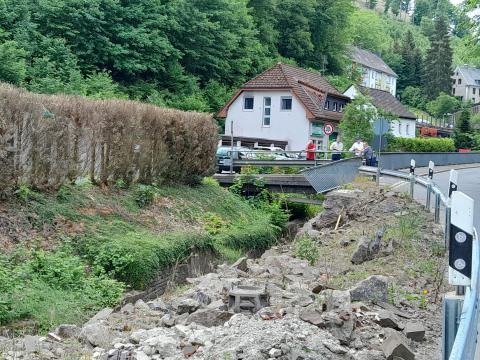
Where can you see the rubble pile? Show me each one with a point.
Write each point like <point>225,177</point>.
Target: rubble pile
<point>274,307</point>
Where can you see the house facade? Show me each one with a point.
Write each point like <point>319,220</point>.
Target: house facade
<point>466,83</point>
<point>376,74</point>
<point>285,103</point>
<point>405,125</point>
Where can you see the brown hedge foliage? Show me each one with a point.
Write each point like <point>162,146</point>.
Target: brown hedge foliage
<point>46,141</point>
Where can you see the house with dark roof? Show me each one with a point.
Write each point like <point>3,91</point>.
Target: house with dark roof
<point>466,83</point>
<point>404,125</point>
<point>376,74</point>
<point>285,103</point>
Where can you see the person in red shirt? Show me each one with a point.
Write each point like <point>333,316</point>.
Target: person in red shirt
<point>310,150</point>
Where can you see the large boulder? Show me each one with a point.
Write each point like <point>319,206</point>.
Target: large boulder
<point>395,346</point>
<point>209,317</point>
<point>345,202</point>
<point>96,334</point>
<point>373,288</point>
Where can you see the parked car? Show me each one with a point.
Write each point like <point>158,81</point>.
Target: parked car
<point>276,153</point>
<point>223,157</point>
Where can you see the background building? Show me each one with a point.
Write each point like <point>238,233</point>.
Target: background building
<point>466,83</point>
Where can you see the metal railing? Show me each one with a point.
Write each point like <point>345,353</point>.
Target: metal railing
<point>460,338</point>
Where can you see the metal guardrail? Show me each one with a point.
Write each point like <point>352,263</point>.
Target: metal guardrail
<point>397,160</point>
<point>461,311</point>
<point>330,176</point>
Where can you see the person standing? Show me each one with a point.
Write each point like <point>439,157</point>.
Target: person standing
<point>336,148</point>
<point>357,147</point>
<point>310,150</point>
<point>368,154</point>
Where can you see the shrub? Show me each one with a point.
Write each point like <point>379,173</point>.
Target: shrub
<point>62,138</point>
<point>421,145</point>
<point>145,195</point>
<point>306,249</point>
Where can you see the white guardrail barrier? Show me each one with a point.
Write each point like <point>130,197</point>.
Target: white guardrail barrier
<point>461,307</point>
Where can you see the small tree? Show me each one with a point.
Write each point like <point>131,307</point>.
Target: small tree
<point>463,136</point>
<point>442,105</point>
<point>357,120</point>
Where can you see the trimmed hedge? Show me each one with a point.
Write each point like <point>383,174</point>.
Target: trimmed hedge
<point>421,145</point>
<point>50,140</point>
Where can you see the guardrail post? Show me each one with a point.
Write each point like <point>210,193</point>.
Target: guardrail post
<point>437,208</point>
<point>431,166</point>
<point>412,177</point>
<point>452,310</point>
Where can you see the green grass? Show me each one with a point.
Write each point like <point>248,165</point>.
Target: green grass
<point>119,237</point>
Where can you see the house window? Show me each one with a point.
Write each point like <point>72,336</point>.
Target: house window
<point>459,81</point>
<point>327,105</point>
<point>454,81</point>
<point>335,106</point>
<point>399,128</point>
<point>248,103</point>
<point>453,91</point>
<point>341,107</point>
<point>267,111</point>
<point>286,103</point>
<point>473,91</point>
<point>407,129</point>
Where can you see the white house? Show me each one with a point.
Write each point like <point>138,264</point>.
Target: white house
<point>466,83</point>
<point>285,103</point>
<point>405,126</point>
<point>376,74</point>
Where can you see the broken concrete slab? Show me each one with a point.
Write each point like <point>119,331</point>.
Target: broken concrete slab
<point>414,331</point>
<point>209,317</point>
<point>394,346</point>
<point>387,319</point>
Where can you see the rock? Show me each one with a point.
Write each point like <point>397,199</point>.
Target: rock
<point>164,345</point>
<point>241,264</point>
<point>202,297</point>
<point>346,242</point>
<point>140,355</point>
<point>187,306</point>
<point>367,248</point>
<point>275,353</point>
<point>189,350</point>
<point>67,331</point>
<point>96,334</point>
<point>209,317</point>
<point>318,288</point>
<point>340,324</point>
<point>168,320</point>
<point>414,331</point>
<point>387,319</point>
<point>369,355</point>
<point>373,288</point>
<point>137,336</point>
<point>101,315</point>
<point>312,316</point>
<point>31,343</point>
<point>127,309</point>
<point>338,202</point>
<point>336,300</point>
<point>157,305</point>
<point>335,347</point>
<point>394,346</point>
<point>142,307</point>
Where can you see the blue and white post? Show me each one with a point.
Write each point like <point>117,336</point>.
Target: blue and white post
<point>460,265</point>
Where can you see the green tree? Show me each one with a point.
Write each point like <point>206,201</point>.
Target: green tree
<point>12,62</point>
<point>357,120</point>
<point>265,15</point>
<point>372,4</point>
<point>414,96</point>
<point>462,135</point>
<point>294,22</point>
<point>411,73</point>
<point>444,104</point>
<point>438,62</point>
<point>422,8</point>
<point>367,31</point>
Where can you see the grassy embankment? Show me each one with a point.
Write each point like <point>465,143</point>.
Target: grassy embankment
<point>78,249</point>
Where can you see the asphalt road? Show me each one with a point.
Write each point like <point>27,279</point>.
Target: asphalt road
<point>468,182</point>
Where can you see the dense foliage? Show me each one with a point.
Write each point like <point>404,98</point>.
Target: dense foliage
<point>421,145</point>
<point>192,54</point>
<point>357,121</point>
<point>463,134</point>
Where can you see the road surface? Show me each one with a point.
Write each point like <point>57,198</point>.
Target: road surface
<point>468,182</point>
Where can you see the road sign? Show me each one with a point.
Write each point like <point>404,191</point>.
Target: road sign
<point>328,129</point>
<point>461,240</point>
<point>381,126</point>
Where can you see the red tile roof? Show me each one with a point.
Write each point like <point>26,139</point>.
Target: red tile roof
<point>309,87</point>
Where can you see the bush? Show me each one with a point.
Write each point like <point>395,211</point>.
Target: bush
<point>421,145</point>
<point>63,138</point>
<point>145,195</point>
<point>306,249</point>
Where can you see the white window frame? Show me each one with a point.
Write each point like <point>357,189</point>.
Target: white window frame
<point>264,116</point>
<point>286,98</point>
<point>407,130</point>
<point>327,105</point>
<point>335,106</point>
<point>399,128</point>
<point>248,97</point>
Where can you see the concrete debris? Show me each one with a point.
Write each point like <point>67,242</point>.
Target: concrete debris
<point>414,331</point>
<point>373,288</point>
<point>395,346</point>
<point>387,319</point>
